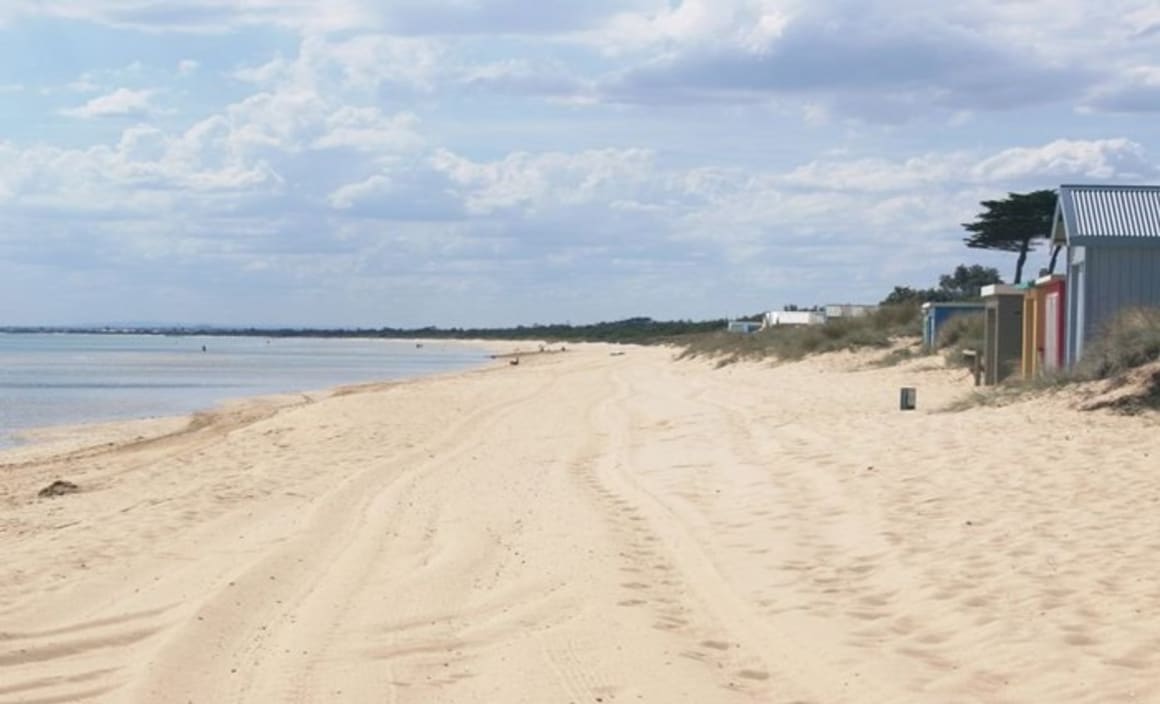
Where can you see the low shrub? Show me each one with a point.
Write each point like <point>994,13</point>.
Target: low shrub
<point>962,332</point>
<point>897,356</point>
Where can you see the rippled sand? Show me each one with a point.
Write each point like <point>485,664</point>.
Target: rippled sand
<point>586,527</point>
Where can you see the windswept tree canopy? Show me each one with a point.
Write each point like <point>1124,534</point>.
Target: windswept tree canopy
<point>1013,224</point>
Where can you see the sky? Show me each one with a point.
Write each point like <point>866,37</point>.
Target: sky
<point>363,163</point>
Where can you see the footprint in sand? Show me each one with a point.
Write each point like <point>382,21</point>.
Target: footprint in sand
<point>715,644</point>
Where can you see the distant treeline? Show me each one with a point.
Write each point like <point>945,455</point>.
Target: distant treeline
<point>636,330</point>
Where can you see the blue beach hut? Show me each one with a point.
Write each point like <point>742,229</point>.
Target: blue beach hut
<point>935,315</point>
<point>1112,235</point>
<point>744,327</point>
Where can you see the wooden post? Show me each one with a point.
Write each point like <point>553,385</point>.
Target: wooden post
<point>908,398</point>
<point>976,364</point>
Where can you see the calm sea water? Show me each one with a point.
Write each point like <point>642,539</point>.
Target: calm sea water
<point>66,379</point>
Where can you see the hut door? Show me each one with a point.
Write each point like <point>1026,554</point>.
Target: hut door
<point>991,345</point>
<point>1077,292</point>
<point>1051,331</point>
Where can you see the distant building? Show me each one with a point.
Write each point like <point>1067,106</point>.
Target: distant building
<point>743,326</point>
<point>849,310</point>
<point>794,317</point>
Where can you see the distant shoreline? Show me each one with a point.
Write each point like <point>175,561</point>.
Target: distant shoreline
<point>640,330</point>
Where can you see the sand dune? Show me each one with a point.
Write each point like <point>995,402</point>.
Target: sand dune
<point>591,528</point>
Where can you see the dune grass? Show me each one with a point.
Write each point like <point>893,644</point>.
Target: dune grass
<point>792,342</point>
<point>1130,341</point>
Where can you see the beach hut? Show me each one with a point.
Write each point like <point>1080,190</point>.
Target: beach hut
<point>1043,325</point>
<point>1002,332</point>
<point>1027,354</point>
<point>1112,235</point>
<point>1054,315</point>
<point>935,315</point>
<point>744,327</point>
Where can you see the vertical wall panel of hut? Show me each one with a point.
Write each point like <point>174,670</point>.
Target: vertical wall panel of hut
<point>1118,279</point>
<point>1002,333</point>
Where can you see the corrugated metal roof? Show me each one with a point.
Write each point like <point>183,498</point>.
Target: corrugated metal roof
<point>1094,213</point>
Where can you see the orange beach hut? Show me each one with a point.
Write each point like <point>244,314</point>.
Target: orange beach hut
<point>1044,320</point>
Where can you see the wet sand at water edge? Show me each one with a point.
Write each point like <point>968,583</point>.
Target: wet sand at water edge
<point>586,527</point>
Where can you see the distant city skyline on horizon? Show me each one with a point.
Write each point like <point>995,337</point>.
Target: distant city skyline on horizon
<point>357,164</point>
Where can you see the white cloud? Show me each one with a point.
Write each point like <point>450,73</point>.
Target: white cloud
<point>234,155</point>
<point>521,184</point>
<point>539,181</point>
<point>879,174</point>
<point>1136,90</point>
<point>295,117</point>
<point>147,173</point>
<point>282,120</point>
<point>878,61</point>
<point>1145,20</point>
<point>269,72</point>
<point>1044,166</point>
<point>1100,160</point>
<point>120,103</point>
<point>829,213</point>
<point>443,142</point>
<point>399,17</point>
<point>368,61</point>
<point>880,69</point>
<point>84,84</point>
<point>881,61</point>
<point>551,80</point>
<point>9,88</point>
<point>351,69</point>
<point>369,130</point>
<point>104,79</point>
<point>352,194</point>
<point>747,24</point>
<point>205,16</point>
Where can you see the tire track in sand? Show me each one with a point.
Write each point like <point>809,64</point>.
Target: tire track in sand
<point>663,571</point>
<point>275,622</point>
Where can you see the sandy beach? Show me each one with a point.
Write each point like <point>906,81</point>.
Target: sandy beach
<point>589,527</point>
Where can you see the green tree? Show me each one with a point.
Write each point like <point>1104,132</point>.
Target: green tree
<point>1013,224</point>
<point>966,282</point>
<point>905,295</point>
